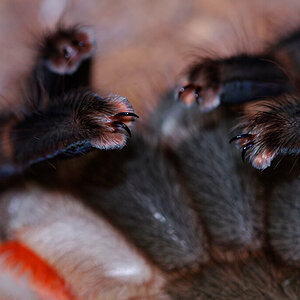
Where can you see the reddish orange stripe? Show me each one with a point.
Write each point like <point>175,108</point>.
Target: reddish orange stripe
<point>44,280</point>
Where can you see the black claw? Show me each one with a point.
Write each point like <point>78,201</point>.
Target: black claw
<point>240,136</point>
<point>124,126</point>
<point>245,149</point>
<point>126,114</point>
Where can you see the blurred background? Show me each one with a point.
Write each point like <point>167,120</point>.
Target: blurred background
<point>143,46</point>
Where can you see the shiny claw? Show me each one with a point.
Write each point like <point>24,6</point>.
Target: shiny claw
<point>122,125</point>
<point>126,114</point>
<point>245,149</point>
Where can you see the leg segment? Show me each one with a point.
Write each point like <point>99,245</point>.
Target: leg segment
<point>233,80</point>
<point>70,125</point>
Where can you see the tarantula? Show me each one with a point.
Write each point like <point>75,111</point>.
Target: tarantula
<point>175,214</point>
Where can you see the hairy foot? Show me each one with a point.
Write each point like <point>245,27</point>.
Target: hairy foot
<point>202,86</point>
<point>272,129</point>
<point>63,50</point>
<point>108,120</point>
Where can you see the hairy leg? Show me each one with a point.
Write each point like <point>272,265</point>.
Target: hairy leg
<point>242,78</point>
<point>233,80</point>
<point>71,125</point>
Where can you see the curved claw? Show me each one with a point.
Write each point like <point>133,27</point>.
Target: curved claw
<point>240,136</point>
<point>245,149</point>
<point>126,114</point>
<point>122,125</point>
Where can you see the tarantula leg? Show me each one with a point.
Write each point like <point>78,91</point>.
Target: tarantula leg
<point>68,126</point>
<point>232,81</point>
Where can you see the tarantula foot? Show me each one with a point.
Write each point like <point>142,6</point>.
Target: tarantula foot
<point>270,128</point>
<point>259,155</point>
<point>206,98</point>
<point>64,50</point>
<point>202,86</point>
<point>116,127</point>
